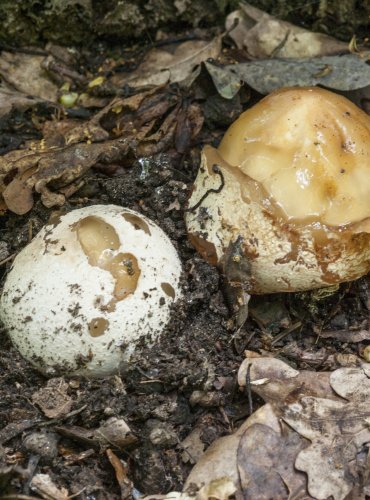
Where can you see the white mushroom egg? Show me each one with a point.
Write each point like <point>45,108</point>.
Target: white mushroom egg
<point>87,288</point>
<point>291,180</point>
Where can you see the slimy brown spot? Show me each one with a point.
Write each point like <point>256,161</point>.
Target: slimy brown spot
<point>100,243</point>
<point>137,222</point>
<point>168,290</point>
<point>98,326</point>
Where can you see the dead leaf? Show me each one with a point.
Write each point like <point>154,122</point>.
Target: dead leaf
<point>333,418</point>
<point>173,64</point>
<point>220,458</point>
<point>337,431</point>
<point>219,489</point>
<point>12,99</point>
<point>14,429</point>
<point>275,381</point>
<point>344,73</point>
<point>265,460</point>
<point>59,167</point>
<point>54,166</point>
<point>193,446</point>
<point>262,36</point>
<point>131,117</point>
<point>121,470</point>
<point>44,486</point>
<point>316,423</point>
<point>226,81</point>
<point>53,399</point>
<point>322,358</point>
<point>18,197</point>
<point>346,335</point>
<point>115,432</point>
<point>25,74</point>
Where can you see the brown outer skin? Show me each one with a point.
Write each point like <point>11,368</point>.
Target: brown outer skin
<point>284,257</point>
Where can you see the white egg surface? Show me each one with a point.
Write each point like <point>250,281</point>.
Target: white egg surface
<point>89,286</point>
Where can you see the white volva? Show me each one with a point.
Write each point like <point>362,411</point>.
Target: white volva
<point>87,288</point>
<point>293,181</point>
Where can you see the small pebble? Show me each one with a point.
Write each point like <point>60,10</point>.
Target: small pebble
<point>206,399</point>
<point>42,443</point>
<point>162,435</point>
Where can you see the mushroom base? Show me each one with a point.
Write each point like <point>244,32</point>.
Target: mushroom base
<point>285,255</point>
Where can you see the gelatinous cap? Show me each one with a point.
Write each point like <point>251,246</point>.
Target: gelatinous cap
<point>310,150</point>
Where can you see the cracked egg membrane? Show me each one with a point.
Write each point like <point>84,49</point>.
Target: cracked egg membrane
<point>291,177</point>
<point>87,288</point>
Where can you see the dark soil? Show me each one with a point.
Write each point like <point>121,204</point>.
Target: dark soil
<point>186,381</point>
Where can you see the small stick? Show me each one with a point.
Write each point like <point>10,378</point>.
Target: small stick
<point>286,332</point>
<point>10,257</point>
<point>248,389</point>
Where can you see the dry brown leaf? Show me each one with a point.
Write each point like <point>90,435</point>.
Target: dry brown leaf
<point>193,446</point>
<point>220,459</point>
<point>347,335</point>
<point>12,99</point>
<point>337,430</point>
<point>218,489</point>
<point>35,170</point>
<point>94,131</point>
<point>266,463</point>
<point>24,73</point>
<point>53,399</point>
<point>43,485</point>
<point>332,410</point>
<point>275,381</point>
<point>317,423</point>
<point>120,470</point>
<point>322,358</point>
<point>112,433</point>
<point>162,66</point>
<point>53,167</point>
<point>262,35</point>
<point>258,458</point>
<point>115,432</point>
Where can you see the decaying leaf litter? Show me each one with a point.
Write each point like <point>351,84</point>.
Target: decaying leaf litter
<point>82,130</point>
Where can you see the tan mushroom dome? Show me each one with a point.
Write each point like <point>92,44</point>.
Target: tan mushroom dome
<point>310,149</point>
<point>293,181</point>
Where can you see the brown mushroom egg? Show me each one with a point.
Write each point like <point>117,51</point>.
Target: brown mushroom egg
<point>87,288</point>
<point>291,177</point>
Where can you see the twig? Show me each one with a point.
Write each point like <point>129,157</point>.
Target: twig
<point>31,468</point>
<point>56,420</point>
<point>124,482</point>
<point>18,497</point>
<point>4,261</point>
<point>286,332</point>
<point>248,389</point>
